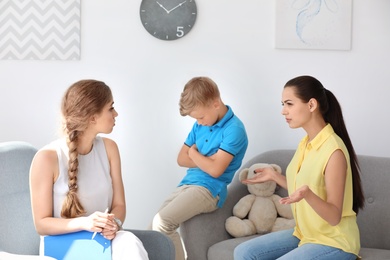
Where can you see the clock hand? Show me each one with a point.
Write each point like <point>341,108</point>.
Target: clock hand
<point>162,7</point>
<point>176,7</point>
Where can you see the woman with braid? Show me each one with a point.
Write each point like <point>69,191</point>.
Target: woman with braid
<point>76,182</point>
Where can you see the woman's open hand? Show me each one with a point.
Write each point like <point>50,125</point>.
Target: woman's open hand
<point>261,175</point>
<point>296,196</point>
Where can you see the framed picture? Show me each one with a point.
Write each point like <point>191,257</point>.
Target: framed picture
<point>313,24</point>
<point>40,30</point>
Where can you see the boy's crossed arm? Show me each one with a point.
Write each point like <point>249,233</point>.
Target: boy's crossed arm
<point>214,165</point>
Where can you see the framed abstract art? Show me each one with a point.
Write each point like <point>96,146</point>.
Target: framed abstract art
<point>313,24</point>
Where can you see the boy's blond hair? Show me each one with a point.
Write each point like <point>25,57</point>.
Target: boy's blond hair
<point>199,91</point>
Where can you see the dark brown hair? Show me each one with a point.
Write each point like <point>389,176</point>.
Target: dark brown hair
<point>307,87</point>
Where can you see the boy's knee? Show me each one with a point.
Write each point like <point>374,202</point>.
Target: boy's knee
<point>163,224</point>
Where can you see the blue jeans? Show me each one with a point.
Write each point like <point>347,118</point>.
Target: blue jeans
<point>282,245</point>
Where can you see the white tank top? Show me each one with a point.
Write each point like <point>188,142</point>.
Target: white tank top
<point>93,178</point>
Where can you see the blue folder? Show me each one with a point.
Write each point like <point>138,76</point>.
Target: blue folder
<point>77,246</point>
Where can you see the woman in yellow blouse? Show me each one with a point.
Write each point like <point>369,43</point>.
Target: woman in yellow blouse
<point>322,180</point>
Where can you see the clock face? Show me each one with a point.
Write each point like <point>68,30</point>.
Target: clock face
<point>168,19</point>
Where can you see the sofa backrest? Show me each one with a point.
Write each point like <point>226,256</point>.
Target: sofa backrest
<point>373,220</point>
<point>17,233</point>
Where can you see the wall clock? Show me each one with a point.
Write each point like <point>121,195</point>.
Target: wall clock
<point>168,19</point>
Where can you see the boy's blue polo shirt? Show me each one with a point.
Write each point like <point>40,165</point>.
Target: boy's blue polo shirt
<point>228,135</point>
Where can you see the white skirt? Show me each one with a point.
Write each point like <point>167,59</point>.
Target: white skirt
<point>126,245</point>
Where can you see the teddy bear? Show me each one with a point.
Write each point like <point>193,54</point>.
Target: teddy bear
<point>259,212</point>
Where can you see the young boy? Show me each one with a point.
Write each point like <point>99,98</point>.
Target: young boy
<point>212,152</point>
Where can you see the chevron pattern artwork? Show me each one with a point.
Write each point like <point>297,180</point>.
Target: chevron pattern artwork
<point>40,29</point>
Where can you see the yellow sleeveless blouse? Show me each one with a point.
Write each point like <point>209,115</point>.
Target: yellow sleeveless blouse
<point>307,168</point>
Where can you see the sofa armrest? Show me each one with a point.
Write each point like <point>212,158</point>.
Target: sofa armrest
<point>199,233</point>
<point>157,244</point>
<point>205,230</point>
<point>9,256</point>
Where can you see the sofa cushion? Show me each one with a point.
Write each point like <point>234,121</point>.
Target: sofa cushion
<point>374,254</point>
<point>224,250</point>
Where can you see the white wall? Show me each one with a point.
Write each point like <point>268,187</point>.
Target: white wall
<point>232,42</point>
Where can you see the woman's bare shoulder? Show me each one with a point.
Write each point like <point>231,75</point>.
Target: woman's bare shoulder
<point>47,154</point>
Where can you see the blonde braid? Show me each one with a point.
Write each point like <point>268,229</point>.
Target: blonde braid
<point>72,207</point>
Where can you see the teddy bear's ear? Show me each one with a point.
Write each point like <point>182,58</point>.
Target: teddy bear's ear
<point>243,174</point>
<point>276,167</point>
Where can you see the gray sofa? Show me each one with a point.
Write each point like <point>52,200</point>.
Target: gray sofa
<point>18,235</point>
<point>205,236</point>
